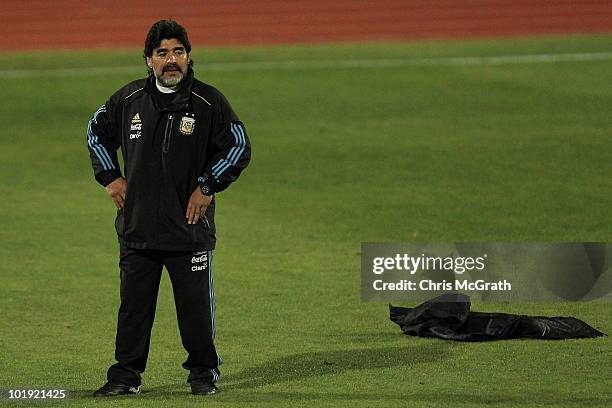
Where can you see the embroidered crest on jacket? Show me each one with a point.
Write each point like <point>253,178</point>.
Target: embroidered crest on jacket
<point>187,125</point>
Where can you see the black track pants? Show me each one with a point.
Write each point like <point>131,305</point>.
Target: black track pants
<point>191,275</point>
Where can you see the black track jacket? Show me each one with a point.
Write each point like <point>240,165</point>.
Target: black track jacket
<point>170,144</point>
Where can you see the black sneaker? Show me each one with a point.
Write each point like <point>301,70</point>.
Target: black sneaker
<point>203,387</point>
<point>111,389</point>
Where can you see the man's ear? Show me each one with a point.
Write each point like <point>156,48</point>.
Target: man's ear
<point>150,62</point>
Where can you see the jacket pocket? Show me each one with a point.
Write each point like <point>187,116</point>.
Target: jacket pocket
<point>120,223</point>
<point>204,219</point>
<point>200,228</point>
<point>204,230</point>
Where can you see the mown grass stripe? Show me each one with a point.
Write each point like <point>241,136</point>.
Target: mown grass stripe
<point>325,64</point>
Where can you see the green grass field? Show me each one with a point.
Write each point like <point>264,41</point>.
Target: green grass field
<point>343,152</point>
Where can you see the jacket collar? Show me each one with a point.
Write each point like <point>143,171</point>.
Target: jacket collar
<point>181,98</point>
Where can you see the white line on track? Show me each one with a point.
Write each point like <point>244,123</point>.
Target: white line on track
<point>321,64</point>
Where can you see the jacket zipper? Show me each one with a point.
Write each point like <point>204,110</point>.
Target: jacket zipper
<point>165,149</point>
<point>166,142</point>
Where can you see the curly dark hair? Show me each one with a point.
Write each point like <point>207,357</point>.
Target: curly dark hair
<point>165,30</point>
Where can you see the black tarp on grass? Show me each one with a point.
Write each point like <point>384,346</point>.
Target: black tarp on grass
<point>449,317</point>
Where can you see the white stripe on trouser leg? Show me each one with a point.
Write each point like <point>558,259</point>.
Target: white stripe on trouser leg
<point>213,307</point>
<point>211,294</point>
<point>214,374</point>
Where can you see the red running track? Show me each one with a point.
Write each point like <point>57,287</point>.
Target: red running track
<point>42,24</point>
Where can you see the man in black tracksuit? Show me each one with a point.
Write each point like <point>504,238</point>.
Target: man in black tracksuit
<point>181,143</point>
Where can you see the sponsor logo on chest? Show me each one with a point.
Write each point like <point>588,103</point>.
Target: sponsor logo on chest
<point>136,127</point>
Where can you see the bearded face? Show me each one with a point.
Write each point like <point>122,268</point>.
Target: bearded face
<point>169,62</point>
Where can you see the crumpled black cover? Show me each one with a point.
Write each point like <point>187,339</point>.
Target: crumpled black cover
<point>449,317</point>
